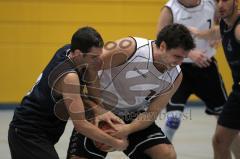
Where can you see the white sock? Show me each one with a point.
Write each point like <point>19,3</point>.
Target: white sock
<point>172,122</point>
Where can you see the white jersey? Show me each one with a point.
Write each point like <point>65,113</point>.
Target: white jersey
<point>131,86</point>
<point>201,17</point>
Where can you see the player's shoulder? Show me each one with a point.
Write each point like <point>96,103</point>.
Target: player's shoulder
<point>140,42</point>
<point>171,3</point>
<point>123,44</point>
<point>126,43</point>
<point>64,49</point>
<point>70,77</point>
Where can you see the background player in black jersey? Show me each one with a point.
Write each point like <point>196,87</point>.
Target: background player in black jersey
<point>40,120</point>
<point>228,126</point>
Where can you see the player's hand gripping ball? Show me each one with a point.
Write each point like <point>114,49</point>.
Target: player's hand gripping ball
<point>107,129</point>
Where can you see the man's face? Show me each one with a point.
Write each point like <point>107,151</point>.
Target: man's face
<point>92,58</point>
<point>173,57</point>
<point>225,8</point>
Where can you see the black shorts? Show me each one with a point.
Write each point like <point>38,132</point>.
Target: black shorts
<point>25,145</point>
<point>230,116</point>
<point>206,83</point>
<point>138,142</point>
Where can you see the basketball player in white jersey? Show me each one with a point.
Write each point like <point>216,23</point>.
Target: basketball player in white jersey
<point>138,79</point>
<point>200,70</point>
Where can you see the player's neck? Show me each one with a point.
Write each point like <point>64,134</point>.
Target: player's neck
<point>231,20</point>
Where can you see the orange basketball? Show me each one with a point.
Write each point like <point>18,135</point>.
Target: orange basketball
<point>107,129</point>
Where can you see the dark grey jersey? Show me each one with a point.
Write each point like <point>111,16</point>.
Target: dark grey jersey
<point>232,50</point>
<point>37,111</point>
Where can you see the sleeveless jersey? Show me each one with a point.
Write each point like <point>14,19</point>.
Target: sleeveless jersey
<point>232,50</point>
<point>131,86</point>
<point>201,17</point>
<point>37,111</point>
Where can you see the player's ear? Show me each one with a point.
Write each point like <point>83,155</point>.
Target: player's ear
<point>163,46</point>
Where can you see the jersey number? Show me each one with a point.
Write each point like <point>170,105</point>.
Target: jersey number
<point>210,23</point>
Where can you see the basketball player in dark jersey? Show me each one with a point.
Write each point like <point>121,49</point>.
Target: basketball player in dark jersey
<point>228,126</point>
<point>40,120</point>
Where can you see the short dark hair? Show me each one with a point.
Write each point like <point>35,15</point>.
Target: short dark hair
<point>85,38</point>
<point>175,35</point>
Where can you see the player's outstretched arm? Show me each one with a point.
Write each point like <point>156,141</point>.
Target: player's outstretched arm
<point>92,100</point>
<point>70,87</point>
<point>164,19</point>
<point>210,34</point>
<point>145,119</point>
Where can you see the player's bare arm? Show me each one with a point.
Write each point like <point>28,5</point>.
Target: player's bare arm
<point>165,18</point>
<point>92,99</point>
<point>145,119</point>
<point>75,108</point>
<point>118,52</point>
<point>237,33</point>
<point>210,34</point>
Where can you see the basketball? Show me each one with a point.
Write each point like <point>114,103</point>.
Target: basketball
<point>107,129</point>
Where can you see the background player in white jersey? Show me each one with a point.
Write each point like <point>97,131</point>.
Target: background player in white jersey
<point>200,70</point>
<point>138,79</point>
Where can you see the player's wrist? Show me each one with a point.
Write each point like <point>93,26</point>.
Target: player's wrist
<point>121,144</point>
<point>130,128</point>
<point>114,142</point>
